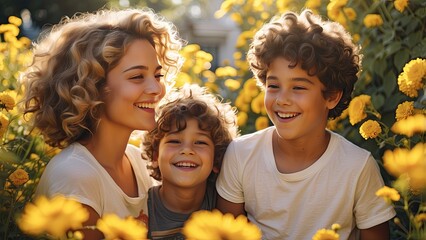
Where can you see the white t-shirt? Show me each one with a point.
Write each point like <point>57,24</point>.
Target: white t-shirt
<point>338,188</point>
<point>75,173</point>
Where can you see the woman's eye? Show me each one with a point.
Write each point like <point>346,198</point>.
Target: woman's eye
<point>137,76</point>
<point>159,76</point>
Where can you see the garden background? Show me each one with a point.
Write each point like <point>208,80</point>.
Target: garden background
<point>387,115</point>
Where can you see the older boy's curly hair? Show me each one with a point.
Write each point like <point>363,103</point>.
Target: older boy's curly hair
<point>191,102</point>
<point>65,83</point>
<point>322,48</point>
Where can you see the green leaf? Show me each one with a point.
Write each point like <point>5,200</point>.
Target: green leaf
<point>389,83</point>
<point>393,47</point>
<point>421,12</point>
<point>378,100</point>
<point>401,58</point>
<point>380,67</point>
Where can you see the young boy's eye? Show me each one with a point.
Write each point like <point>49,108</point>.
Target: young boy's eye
<point>299,88</point>
<point>173,141</point>
<point>272,86</point>
<point>201,142</point>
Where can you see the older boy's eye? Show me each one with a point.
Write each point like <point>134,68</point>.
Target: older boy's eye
<point>173,141</point>
<point>299,88</point>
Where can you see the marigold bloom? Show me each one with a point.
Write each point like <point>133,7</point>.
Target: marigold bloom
<point>350,13</point>
<point>262,122</point>
<point>325,234</point>
<point>258,105</point>
<point>370,129</point>
<point>400,5</point>
<point>54,216</point>
<point>373,20</point>
<point>388,194</point>
<point>114,227</point>
<point>335,227</point>
<point>6,101</point>
<point>404,110</point>
<point>356,109</point>
<point>242,118</point>
<point>215,225</point>
<point>410,125</point>
<point>4,122</point>
<point>410,81</point>
<point>232,84</point>
<point>19,177</point>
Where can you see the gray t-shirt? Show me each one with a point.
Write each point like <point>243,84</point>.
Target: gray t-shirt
<point>165,224</point>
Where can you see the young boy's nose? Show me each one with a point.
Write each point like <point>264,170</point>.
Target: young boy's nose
<point>186,150</point>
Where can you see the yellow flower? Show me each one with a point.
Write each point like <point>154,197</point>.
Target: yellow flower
<point>373,20</point>
<point>15,21</point>
<point>325,234</point>
<point>54,216</point>
<point>313,4</point>
<point>232,84</point>
<point>114,227</point>
<point>411,79</point>
<point>6,101</point>
<point>350,13</point>
<point>370,129</point>
<point>4,122</point>
<point>404,110</point>
<point>250,87</point>
<point>405,161</point>
<point>216,226</point>
<point>356,109</point>
<point>242,118</point>
<point>257,105</point>
<point>388,194</point>
<point>420,218</point>
<point>19,177</point>
<point>400,5</point>
<point>262,122</point>
<point>410,125</point>
<point>335,227</point>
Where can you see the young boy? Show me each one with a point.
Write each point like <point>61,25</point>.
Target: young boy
<point>297,177</point>
<point>185,152</point>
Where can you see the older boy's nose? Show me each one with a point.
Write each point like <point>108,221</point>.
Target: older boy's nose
<point>283,99</point>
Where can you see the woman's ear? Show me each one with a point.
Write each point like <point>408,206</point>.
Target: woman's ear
<point>333,99</point>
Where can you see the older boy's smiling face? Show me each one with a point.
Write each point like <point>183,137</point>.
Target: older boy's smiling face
<point>294,101</point>
<point>186,158</point>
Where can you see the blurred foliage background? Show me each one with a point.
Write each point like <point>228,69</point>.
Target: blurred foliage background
<point>393,39</point>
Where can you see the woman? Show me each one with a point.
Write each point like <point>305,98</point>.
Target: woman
<point>95,79</point>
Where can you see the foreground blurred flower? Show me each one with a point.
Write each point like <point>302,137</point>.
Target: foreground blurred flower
<point>370,129</point>
<point>411,79</point>
<point>19,177</point>
<point>54,217</point>
<point>262,122</point>
<point>325,234</point>
<point>388,194</point>
<point>216,226</point>
<point>410,125</point>
<point>114,228</point>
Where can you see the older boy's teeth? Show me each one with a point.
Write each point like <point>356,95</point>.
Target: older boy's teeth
<point>145,105</point>
<point>185,164</point>
<point>287,115</point>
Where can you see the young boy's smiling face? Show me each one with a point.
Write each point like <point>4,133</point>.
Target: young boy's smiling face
<point>186,158</point>
<point>294,101</point>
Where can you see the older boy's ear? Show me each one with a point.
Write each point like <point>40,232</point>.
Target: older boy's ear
<point>333,99</point>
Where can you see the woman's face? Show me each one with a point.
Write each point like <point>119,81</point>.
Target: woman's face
<point>134,87</point>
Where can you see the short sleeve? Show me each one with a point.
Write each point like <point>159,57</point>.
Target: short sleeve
<point>229,182</point>
<point>77,180</point>
<point>371,210</point>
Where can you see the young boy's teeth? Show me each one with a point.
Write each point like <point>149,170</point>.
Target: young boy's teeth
<point>185,164</point>
<point>145,105</point>
<point>287,115</point>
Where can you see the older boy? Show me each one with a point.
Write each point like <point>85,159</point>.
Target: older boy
<point>297,177</point>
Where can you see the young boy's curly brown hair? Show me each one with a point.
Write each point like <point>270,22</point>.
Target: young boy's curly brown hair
<point>191,102</point>
<point>322,48</point>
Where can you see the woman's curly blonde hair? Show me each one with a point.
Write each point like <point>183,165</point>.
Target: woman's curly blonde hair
<point>191,102</point>
<point>322,48</point>
<point>65,82</point>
